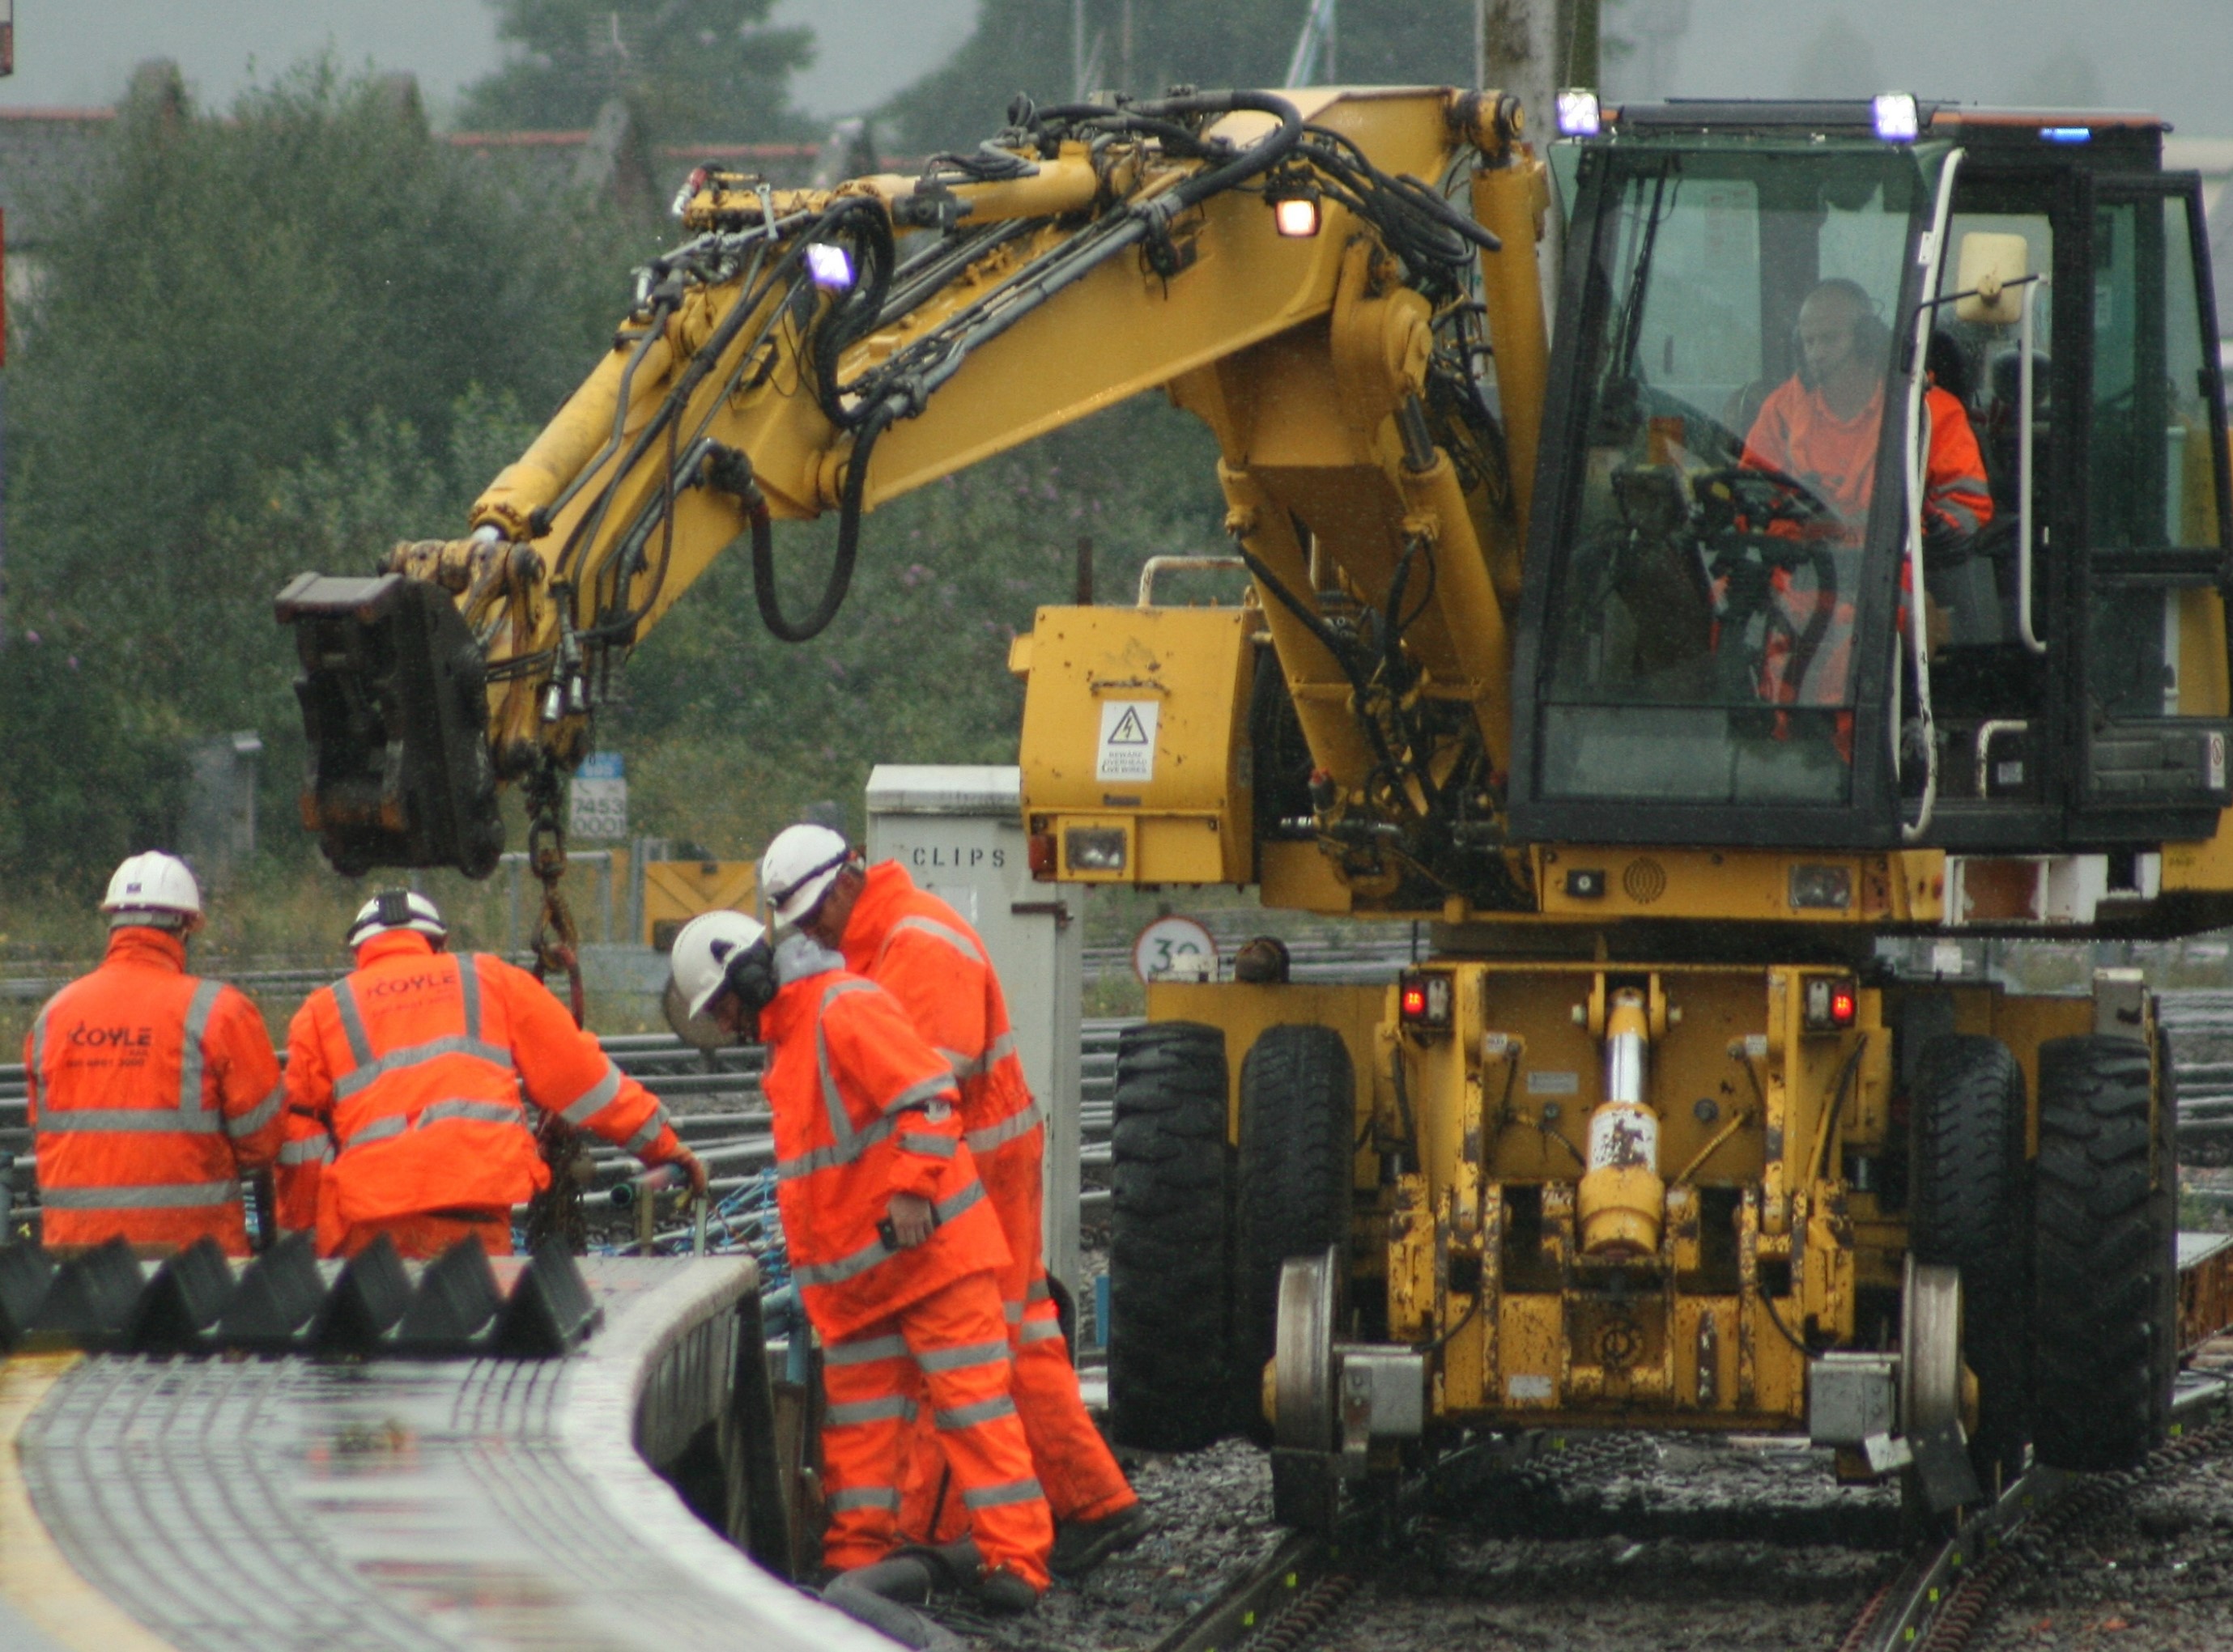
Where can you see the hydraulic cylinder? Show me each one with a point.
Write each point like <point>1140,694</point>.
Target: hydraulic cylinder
<point>1621,1198</point>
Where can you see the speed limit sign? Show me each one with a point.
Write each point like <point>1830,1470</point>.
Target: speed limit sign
<point>1174,949</point>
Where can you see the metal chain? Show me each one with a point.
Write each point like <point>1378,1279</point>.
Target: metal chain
<point>555,1213</point>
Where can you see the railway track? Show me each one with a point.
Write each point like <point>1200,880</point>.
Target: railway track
<point>1577,1558</point>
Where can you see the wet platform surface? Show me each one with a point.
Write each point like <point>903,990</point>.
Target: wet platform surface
<point>396,1505</point>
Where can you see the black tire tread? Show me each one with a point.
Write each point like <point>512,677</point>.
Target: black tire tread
<point>2103,1250</point>
<point>1970,1207</point>
<point>1298,1127</point>
<point>1168,1309</point>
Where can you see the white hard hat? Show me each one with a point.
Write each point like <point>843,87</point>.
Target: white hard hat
<point>397,909</point>
<point>153,887</point>
<point>799,868</point>
<point>699,958</point>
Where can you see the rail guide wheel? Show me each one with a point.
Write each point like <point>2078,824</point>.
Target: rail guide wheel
<point>1305,1393</point>
<point>1930,1378</point>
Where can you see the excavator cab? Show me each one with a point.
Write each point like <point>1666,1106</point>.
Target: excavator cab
<point>1774,401</point>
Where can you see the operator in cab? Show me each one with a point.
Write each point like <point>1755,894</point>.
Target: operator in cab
<point>1821,428</point>
<point>1820,425</point>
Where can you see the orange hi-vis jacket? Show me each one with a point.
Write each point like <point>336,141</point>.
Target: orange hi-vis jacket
<point>150,1091</point>
<point>408,1075</point>
<point>1797,433</point>
<point>925,955</point>
<point>863,1110</point>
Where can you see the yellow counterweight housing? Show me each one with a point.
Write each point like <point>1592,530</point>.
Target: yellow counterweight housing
<point>1136,753</point>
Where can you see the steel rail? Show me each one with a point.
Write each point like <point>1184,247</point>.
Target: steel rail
<point>1938,1597</point>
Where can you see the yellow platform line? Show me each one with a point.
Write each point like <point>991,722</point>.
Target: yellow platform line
<point>35,1579</point>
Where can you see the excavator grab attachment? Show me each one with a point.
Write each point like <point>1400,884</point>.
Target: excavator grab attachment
<point>394,698</point>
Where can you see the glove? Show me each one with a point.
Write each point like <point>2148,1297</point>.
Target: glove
<point>688,1163</point>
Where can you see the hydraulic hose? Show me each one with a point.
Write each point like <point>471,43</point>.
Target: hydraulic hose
<point>849,542</point>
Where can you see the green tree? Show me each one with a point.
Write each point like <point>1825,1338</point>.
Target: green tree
<point>709,69</point>
<point>228,297</point>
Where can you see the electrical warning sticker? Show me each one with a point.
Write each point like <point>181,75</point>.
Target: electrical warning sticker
<point>1128,741</point>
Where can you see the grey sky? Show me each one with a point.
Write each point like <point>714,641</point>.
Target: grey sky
<point>2175,56</point>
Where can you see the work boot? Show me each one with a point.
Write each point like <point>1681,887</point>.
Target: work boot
<point>1080,1545</point>
<point>1002,1591</point>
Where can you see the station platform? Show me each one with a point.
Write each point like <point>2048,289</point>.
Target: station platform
<point>373,1502</point>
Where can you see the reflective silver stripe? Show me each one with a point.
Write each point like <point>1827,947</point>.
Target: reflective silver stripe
<point>1041,1330</point>
<point>193,1058</point>
<point>352,1024</point>
<point>258,1116</point>
<point>865,1352</point>
<point>1038,1290</point>
<point>953,1204</point>
<point>938,1112</point>
<point>378,1130</point>
<point>960,1358</point>
<point>166,1195</point>
<point>993,1497</point>
<point>35,1076</point>
<point>863,1497</point>
<point>805,1164</point>
<point>594,1099</point>
<point>394,1124</point>
<point>892,1407</point>
<point>965,944</point>
<point>475,1112</point>
<point>101,1120</point>
<point>969,1416</point>
<point>1021,1123</point>
<point>843,1268</point>
<point>833,1104</point>
<point>469,988</point>
<point>311,1149</point>
<point>931,1146</point>
<point>916,1098</point>
<point>395,1061</point>
<point>649,1133</point>
<point>1014,1311</point>
<point>967,1067</point>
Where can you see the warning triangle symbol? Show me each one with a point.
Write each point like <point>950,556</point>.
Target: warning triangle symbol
<point>1128,731</point>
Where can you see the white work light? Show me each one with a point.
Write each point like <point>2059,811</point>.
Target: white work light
<point>1897,120</point>
<point>1580,115</point>
<point>1296,217</point>
<point>828,265</point>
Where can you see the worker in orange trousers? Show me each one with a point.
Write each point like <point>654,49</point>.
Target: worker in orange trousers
<point>895,1248</point>
<point>928,956</point>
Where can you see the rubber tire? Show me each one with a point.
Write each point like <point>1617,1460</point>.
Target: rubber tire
<point>1970,1207</point>
<point>1298,1135</point>
<point>1168,1372</point>
<point>2105,1264</point>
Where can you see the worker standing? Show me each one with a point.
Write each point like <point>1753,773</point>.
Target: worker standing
<point>151,1090</point>
<point>404,1087</point>
<point>925,955</point>
<point>895,1248</point>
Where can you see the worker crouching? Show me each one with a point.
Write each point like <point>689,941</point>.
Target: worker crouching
<point>895,1249</point>
<point>404,1088</point>
<point>150,1091</point>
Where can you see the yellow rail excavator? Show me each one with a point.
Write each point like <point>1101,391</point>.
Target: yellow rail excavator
<point>1848,561</point>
